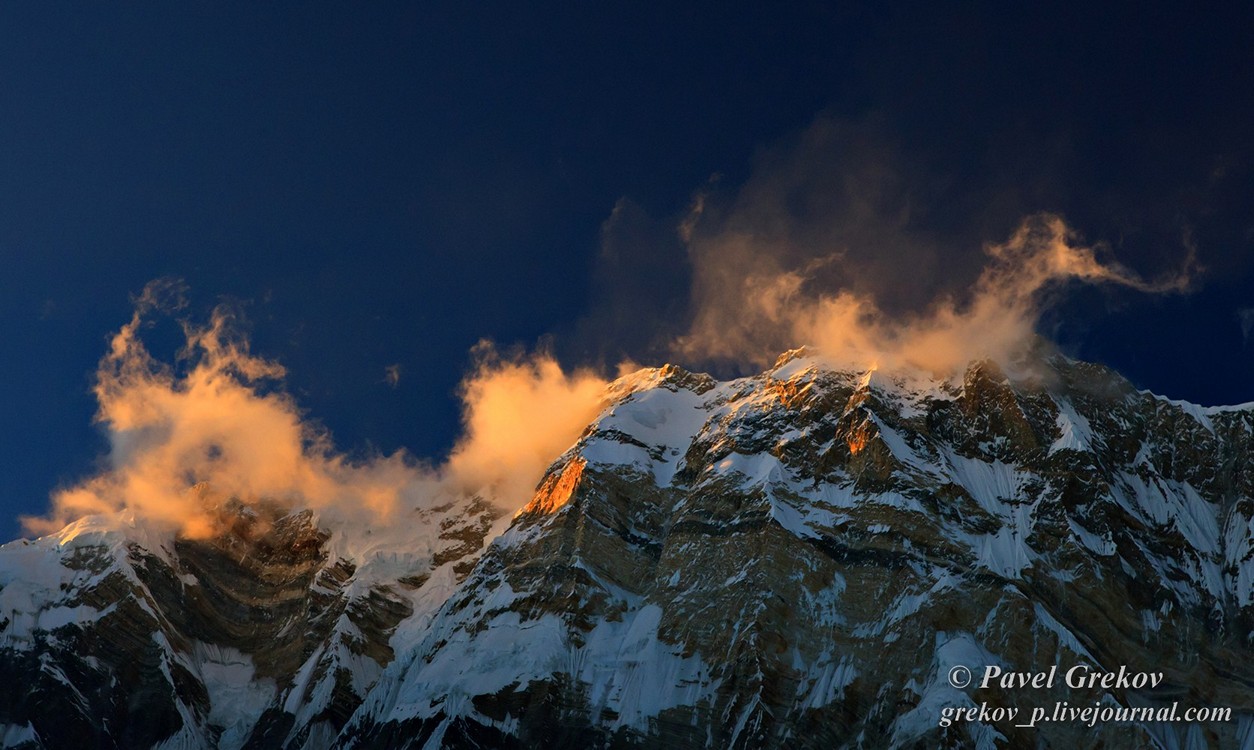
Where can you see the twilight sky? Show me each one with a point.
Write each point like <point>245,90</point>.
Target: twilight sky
<point>379,187</point>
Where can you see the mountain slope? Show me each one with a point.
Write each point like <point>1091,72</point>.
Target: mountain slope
<point>793,559</point>
<point>267,634</point>
<point>799,558</point>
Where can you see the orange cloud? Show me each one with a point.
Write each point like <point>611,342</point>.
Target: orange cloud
<point>182,439</point>
<point>519,415</point>
<point>771,309</point>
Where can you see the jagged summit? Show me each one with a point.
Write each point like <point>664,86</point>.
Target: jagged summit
<point>795,558</point>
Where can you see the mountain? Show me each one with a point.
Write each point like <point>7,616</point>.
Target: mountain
<point>803,558</point>
<point>268,634</point>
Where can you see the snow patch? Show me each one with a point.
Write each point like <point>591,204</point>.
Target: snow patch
<point>665,422</point>
<point>1074,429</point>
<point>12,735</point>
<point>236,699</point>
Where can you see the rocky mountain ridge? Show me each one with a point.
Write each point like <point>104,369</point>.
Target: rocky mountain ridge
<point>797,559</point>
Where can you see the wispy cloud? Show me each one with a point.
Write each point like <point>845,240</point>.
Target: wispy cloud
<point>1246,316</point>
<point>392,375</point>
<point>218,424</point>
<point>821,247</point>
<point>826,244</point>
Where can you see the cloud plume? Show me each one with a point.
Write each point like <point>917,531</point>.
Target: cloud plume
<point>766,313</point>
<point>831,242</point>
<point>520,413</point>
<point>829,245</point>
<point>218,424</point>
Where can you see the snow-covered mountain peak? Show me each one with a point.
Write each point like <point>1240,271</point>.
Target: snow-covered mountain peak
<point>794,558</point>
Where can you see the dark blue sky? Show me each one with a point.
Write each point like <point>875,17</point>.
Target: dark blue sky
<point>384,184</point>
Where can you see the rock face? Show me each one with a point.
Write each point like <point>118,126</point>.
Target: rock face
<point>796,559</point>
<point>261,636</point>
